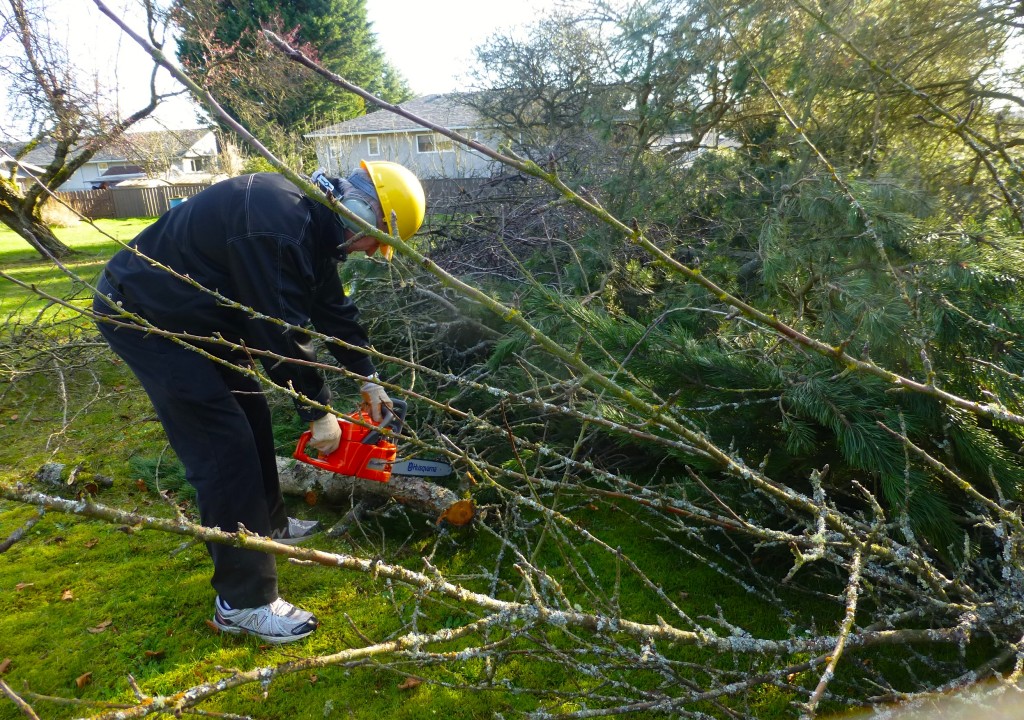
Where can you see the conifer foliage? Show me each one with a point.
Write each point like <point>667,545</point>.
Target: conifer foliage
<point>221,48</point>
<point>834,203</point>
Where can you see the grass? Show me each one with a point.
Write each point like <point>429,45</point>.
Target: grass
<point>92,246</point>
<point>86,604</point>
<point>83,238</point>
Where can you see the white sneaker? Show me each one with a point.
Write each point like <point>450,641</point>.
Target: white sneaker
<point>278,622</point>
<point>297,531</point>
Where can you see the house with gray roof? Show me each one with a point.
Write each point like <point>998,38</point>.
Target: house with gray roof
<point>171,156</point>
<point>383,135</point>
<point>21,173</point>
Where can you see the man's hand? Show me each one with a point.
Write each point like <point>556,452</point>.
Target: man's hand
<point>374,399</point>
<point>326,434</point>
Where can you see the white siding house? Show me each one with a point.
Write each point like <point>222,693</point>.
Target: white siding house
<point>21,172</point>
<point>176,156</point>
<point>382,135</point>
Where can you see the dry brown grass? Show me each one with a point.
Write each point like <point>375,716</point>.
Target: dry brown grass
<point>58,215</point>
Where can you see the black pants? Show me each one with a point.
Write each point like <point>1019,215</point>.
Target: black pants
<point>218,422</point>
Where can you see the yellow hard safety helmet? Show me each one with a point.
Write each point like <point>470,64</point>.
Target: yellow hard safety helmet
<point>399,192</point>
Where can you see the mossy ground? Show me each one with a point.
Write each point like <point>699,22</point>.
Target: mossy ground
<point>87,599</point>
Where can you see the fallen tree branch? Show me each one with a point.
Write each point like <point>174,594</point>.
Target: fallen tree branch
<point>837,354</point>
<point>511,611</point>
<point>852,591</point>
<point>19,533</point>
<point>25,708</point>
<point>179,701</point>
<point>79,702</point>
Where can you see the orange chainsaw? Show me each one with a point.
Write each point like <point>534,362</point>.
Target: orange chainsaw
<point>365,452</point>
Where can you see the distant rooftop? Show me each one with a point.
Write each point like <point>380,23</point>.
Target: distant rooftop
<point>446,110</point>
<point>118,174</point>
<point>169,143</point>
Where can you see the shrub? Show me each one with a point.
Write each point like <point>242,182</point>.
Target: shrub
<point>56,214</point>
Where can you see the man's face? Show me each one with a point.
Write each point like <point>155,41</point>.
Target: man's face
<point>367,244</point>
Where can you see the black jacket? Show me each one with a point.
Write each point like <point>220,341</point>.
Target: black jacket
<point>258,240</point>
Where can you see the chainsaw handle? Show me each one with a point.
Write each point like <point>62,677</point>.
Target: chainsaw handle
<point>393,419</point>
<point>300,453</point>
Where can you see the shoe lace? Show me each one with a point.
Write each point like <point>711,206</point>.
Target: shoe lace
<point>278,618</point>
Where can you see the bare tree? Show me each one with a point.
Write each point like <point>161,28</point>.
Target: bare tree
<point>65,111</point>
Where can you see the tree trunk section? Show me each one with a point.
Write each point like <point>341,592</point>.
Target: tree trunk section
<point>417,494</point>
<point>35,232</point>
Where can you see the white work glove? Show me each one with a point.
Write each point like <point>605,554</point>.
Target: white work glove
<point>326,434</point>
<point>374,399</point>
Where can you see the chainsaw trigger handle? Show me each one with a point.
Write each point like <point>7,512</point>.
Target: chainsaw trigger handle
<point>393,419</point>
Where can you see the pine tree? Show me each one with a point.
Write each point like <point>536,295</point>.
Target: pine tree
<point>221,47</point>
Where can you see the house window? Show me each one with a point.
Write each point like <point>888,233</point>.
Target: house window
<point>433,143</point>
<point>188,165</point>
<point>373,145</point>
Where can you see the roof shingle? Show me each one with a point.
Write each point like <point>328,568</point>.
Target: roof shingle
<point>444,110</point>
<point>169,143</point>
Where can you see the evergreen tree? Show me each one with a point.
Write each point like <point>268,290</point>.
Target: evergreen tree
<point>221,48</point>
<point>853,207</point>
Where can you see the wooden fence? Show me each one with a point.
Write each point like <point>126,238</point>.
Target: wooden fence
<point>117,202</point>
<point>91,203</point>
<point>127,202</point>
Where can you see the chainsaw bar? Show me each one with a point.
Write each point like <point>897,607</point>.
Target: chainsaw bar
<point>414,467</point>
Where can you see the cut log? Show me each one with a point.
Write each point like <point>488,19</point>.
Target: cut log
<point>417,494</point>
